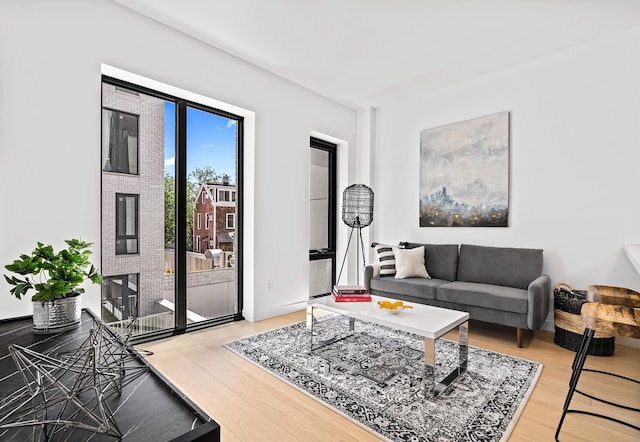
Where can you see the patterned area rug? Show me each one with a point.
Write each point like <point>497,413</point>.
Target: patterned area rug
<point>375,378</point>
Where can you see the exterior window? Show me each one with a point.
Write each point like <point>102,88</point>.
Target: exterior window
<point>198,243</point>
<point>204,197</point>
<point>119,142</point>
<point>231,220</point>
<point>126,224</point>
<point>199,221</point>
<point>120,297</point>
<point>233,196</point>
<point>207,219</point>
<point>223,195</point>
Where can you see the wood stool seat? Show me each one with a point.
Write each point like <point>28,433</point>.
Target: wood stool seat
<point>615,320</point>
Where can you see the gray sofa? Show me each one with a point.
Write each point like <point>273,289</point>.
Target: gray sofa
<point>493,284</point>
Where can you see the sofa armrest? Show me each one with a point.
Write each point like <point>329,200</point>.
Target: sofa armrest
<point>370,271</point>
<point>539,293</point>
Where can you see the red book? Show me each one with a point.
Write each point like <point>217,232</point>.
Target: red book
<point>362,297</point>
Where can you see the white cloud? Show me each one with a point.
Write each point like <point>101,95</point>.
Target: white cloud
<point>170,162</point>
<point>231,123</point>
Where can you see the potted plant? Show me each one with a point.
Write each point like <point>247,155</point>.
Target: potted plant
<point>56,279</point>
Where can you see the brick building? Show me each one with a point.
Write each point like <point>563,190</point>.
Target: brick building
<point>132,202</point>
<point>214,217</point>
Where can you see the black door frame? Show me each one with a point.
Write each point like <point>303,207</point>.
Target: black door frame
<point>330,251</point>
<point>181,177</point>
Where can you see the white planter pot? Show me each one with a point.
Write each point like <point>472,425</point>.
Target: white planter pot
<point>56,316</point>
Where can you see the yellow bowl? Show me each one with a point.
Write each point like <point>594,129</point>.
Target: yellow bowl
<point>393,307</point>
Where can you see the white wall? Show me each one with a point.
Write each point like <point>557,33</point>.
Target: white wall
<point>51,55</point>
<point>575,156</point>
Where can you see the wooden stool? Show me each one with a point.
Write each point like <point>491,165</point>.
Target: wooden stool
<point>614,311</point>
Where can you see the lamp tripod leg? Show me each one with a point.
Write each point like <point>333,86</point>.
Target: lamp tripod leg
<point>345,256</point>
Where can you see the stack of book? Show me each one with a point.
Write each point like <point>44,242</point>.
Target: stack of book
<point>344,293</point>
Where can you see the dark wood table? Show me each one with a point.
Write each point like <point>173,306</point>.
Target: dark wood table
<point>149,408</point>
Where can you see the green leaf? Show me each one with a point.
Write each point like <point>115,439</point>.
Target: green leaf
<point>58,273</point>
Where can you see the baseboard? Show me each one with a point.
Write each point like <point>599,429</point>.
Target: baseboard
<point>253,316</point>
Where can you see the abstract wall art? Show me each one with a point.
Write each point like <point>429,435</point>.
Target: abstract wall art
<point>464,173</point>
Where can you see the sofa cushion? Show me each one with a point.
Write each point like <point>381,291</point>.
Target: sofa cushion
<point>414,287</point>
<point>496,297</point>
<point>387,259</point>
<point>441,260</point>
<point>410,263</point>
<point>510,267</point>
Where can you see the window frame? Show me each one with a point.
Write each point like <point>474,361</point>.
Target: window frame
<point>231,216</point>
<point>183,100</point>
<point>125,281</point>
<point>137,165</point>
<point>126,237</point>
<point>328,253</point>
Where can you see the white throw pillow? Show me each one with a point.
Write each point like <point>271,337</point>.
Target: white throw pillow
<point>410,263</point>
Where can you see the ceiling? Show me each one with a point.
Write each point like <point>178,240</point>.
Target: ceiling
<point>363,53</point>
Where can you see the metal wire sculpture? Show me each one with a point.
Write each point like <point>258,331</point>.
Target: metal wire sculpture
<point>357,212</point>
<point>70,392</point>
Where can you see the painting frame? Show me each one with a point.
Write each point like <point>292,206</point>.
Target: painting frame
<point>464,173</point>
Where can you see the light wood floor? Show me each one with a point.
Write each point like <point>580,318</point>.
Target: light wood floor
<point>252,405</point>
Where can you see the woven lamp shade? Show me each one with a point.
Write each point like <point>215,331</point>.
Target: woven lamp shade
<point>357,205</point>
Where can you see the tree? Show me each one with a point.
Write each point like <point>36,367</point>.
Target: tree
<point>205,174</point>
<point>169,211</point>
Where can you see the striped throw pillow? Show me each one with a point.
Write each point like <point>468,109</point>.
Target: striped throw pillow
<point>387,259</point>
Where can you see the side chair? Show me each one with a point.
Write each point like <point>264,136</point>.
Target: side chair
<point>614,311</point>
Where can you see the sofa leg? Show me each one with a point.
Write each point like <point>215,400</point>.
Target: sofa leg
<point>519,337</point>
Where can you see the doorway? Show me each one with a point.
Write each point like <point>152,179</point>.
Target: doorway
<point>322,217</point>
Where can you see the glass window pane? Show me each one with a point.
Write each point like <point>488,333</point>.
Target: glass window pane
<point>319,199</point>
<point>138,210</point>
<point>212,288</point>
<point>119,297</point>
<point>320,277</point>
<point>119,142</point>
<point>126,224</point>
<point>139,133</point>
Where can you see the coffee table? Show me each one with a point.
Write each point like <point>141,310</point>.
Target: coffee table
<point>423,320</point>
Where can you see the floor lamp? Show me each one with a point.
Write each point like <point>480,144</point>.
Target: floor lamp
<point>357,212</point>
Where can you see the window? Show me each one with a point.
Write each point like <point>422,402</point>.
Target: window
<point>207,218</point>
<point>151,234</point>
<point>233,197</point>
<point>119,142</point>
<point>120,297</point>
<point>231,220</point>
<point>223,195</point>
<point>126,224</point>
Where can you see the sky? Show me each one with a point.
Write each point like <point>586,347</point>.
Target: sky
<point>211,141</point>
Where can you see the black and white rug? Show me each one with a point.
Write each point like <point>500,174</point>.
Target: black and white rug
<point>375,378</point>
